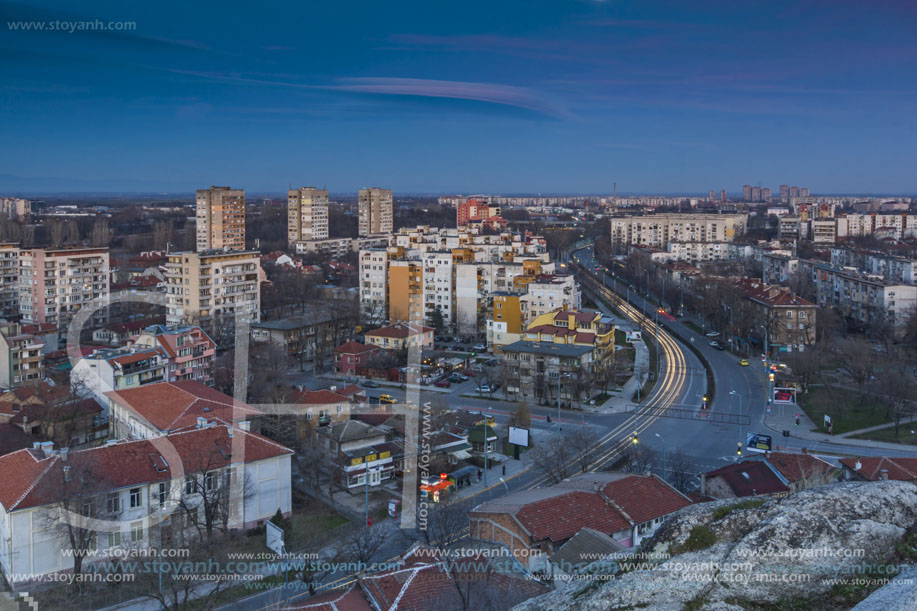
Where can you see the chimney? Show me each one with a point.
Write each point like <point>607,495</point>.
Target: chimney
<point>201,422</point>
<point>703,484</point>
<point>595,486</point>
<point>805,451</point>
<point>229,431</point>
<point>36,445</point>
<point>64,453</point>
<point>883,474</point>
<point>66,473</point>
<point>47,447</point>
<point>245,425</point>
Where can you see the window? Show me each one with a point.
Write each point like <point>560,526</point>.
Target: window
<point>136,498</point>
<point>189,484</point>
<point>136,532</point>
<point>114,539</point>
<point>210,481</point>
<point>163,492</point>
<point>113,503</point>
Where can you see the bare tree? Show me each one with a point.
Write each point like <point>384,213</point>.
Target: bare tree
<point>71,233</point>
<point>581,440</point>
<point>553,458</point>
<point>362,544</point>
<point>163,234</point>
<point>637,458</point>
<point>446,522</point>
<point>212,495</point>
<point>101,233</point>
<point>56,233</point>
<point>680,472</point>
<point>522,418</point>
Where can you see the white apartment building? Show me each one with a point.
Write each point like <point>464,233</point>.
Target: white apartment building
<point>778,268</point>
<point>823,231</point>
<point>211,289</point>
<point>657,230</point>
<point>375,208</point>
<point>307,214</point>
<point>9,280</point>
<point>141,494</point>
<point>898,270</point>
<point>864,297</point>
<point>896,226</point>
<point>15,207</point>
<point>373,272</point>
<point>220,219</point>
<point>55,283</point>
<point>549,293</point>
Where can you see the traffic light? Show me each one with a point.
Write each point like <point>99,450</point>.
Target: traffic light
<point>739,449</point>
<point>797,419</point>
<point>704,404</point>
<point>635,440</point>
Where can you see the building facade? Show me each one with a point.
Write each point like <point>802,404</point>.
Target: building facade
<point>375,208</point>
<point>657,230</point>
<point>220,219</point>
<point>55,283</point>
<point>307,214</point>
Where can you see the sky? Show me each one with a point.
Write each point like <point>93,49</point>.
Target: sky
<point>559,96</point>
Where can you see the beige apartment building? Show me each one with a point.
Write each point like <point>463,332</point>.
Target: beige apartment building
<point>55,283</point>
<point>220,219</point>
<point>211,289</point>
<point>307,215</point>
<point>9,280</point>
<point>375,207</point>
<point>20,356</point>
<point>657,230</point>
<point>15,207</point>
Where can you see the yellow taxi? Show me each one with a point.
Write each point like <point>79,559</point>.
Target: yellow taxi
<point>387,399</point>
<point>744,362</point>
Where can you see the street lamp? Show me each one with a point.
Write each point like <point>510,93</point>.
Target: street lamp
<point>735,394</point>
<point>664,469</point>
<point>559,377</point>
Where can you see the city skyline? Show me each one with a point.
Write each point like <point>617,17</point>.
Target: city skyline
<point>519,98</point>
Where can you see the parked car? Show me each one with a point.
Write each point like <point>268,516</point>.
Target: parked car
<point>744,362</point>
<point>443,383</point>
<point>387,399</point>
<point>458,377</point>
<point>458,340</point>
<point>370,384</point>
<point>480,347</point>
<point>483,389</point>
<point>714,344</point>
<point>713,333</point>
<point>492,362</point>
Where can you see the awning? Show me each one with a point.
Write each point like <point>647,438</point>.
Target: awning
<point>461,454</point>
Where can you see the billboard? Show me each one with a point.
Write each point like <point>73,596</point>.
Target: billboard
<point>518,436</point>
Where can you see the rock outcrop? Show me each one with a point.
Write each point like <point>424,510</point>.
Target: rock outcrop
<point>736,553</point>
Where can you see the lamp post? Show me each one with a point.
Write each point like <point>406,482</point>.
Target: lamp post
<point>559,376</point>
<point>731,332</point>
<point>664,467</point>
<point>735,394</point>
<point>767,362</point>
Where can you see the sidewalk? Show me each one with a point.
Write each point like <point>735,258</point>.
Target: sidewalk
<point>625,397</point>
<point>783,418</point>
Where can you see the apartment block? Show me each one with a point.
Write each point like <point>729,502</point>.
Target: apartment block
<point>9,280</point>
<point>899,270</point>
<point>307,214</point>
<point>211,289</point>
<point>478,213</point>
<point>658,230</point>
<point>866,298</point>
<point>778,268</point>
<point>220,219</point>
<point>55,283</point>
<point>375,208</point>
<point>190,352</point>
<point>897,226</point>
<point>823,231</point>
<point>15,207</point>
<point>789,319</point>
<point>20,356</point>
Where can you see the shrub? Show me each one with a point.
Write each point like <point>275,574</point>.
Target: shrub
<point>722,512</point>
<point>701,537</point>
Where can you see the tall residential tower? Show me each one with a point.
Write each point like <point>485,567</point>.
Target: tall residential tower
<point>307,214</point>
<point>220,219</point>
<point>375,211</point>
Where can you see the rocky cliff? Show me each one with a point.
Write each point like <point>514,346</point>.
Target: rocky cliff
<point>823,548</point>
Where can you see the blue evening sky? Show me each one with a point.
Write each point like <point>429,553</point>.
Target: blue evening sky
<point>497,96</point>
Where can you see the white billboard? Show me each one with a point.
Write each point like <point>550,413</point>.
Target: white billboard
<point>518,436</point>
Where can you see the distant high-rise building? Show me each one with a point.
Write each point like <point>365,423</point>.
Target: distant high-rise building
<point>803,192</point>
<point>756,194</point>
<point>220,219</point>
<point>765,194</point>
<point>307,214</point>
<point>723,195</point>
<point>746,193</point>
<point>793,192</point>
<point>712,195</point>
<point>375,207</point>
<point>784,193</point>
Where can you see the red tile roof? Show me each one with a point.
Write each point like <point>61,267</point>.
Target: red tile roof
<point>645,498</point>
<point>750,478</point>
<point>32,479</point>
<point>172,405</point>
<point>319,397</point>
<point>871,467</point>
<point>795,467</point>
<point>136,357</point>
<point>562,516</point>
<point>355,348</point>
<point>39,328</point>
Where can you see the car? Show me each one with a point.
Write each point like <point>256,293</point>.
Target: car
<point>387,399</point>
<point>720,347</point>
<point>443,383</point>
<point>714,344</point>
<point>743,362</point>
<point>480,347</point>
<point>370,384</point>
<point>483,389</point>
<point>713,333</point>
<point>492,362</point>
<point>458,340</point>
<point>454,379</point>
